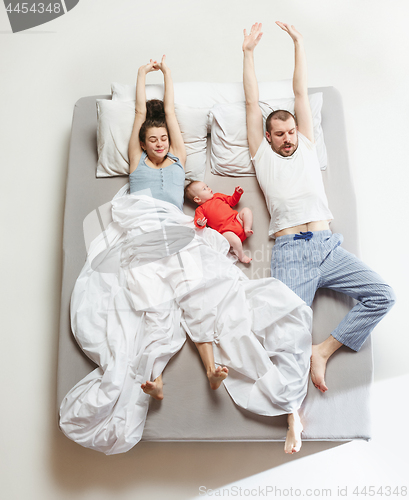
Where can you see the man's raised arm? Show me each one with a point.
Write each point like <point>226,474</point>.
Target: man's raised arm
<point>254,118</point>
<point>302,104</point>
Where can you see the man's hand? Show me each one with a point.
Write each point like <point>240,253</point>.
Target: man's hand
<point>201,222</point>
<point>239,190</point>
<point>251,40</point>
<point>300,86</point>
<point>147,68</point>
<point>294,34</point>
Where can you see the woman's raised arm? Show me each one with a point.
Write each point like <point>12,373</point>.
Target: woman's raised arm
<point>134,148</point>
<point>176,140</point>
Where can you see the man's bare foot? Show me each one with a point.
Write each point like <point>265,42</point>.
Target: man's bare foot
<point>154,389</point>
<point>318,366</point>
<point>248,232</point>
<point>216,376</point>
<point>293,440</point>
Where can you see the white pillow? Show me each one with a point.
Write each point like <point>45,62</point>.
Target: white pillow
<point>193,125</point>
<point>230,155</point>
<point>115,122</point>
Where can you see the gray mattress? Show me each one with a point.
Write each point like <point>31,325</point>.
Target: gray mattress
<point>191,411</point>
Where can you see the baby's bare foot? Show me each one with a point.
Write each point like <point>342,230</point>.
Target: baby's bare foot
<point>216,376</point>
<point>248,232</point>
<point>243,258</point>
<point>154,389</point>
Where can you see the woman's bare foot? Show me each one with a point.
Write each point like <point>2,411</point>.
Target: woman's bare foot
<point>154,389</point>
<point>216,376</point>
<point>293,440</point>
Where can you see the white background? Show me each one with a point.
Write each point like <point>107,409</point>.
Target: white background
<point>360,47</point>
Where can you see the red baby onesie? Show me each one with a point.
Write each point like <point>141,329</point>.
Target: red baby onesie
<point>220,215</point>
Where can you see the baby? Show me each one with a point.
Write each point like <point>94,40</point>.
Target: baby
<point>215,210</point>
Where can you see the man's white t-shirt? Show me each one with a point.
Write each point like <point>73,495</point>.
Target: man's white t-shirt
<point>292,185</point>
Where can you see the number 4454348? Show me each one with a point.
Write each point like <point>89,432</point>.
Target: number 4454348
<point>386,491</point>
<point>34,7</point>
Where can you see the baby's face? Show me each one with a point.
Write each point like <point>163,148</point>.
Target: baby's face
<point>202,192</point>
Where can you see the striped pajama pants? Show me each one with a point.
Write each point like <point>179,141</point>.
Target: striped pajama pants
<point>320,262</point>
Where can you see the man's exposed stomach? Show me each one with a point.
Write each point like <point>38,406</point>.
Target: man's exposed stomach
<point>318,225</point>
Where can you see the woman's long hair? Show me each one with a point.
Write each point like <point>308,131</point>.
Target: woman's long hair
<point>155,117</point>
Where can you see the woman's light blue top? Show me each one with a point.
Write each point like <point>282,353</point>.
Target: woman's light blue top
<point>165,183</point>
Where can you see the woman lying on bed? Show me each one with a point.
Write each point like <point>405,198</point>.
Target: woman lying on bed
<point>152,272</point>
<point>157,156</point>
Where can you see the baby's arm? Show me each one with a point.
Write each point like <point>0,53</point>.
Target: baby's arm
<point>235,198</point>
<point>200,219</point>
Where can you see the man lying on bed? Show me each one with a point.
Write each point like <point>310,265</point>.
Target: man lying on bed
<point>306,255</point>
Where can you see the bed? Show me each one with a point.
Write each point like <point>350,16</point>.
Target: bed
<point>192,411</point>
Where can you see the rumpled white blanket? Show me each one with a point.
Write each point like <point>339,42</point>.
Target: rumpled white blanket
<point>149,273</point>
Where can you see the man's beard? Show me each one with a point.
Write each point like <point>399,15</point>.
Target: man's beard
<point>282,152</point>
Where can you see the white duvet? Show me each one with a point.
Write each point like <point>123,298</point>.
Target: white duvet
<point>149,279</point>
